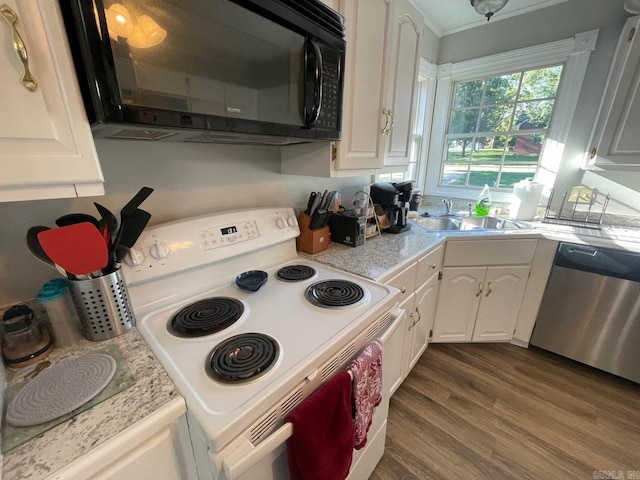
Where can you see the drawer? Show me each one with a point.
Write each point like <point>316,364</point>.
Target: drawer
<point>405,281</point>
<point>489,252</point>
<point>429,264</point>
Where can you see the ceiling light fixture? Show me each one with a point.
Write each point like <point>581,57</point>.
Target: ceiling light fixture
<point>140,32</point>
<point>488,7</point>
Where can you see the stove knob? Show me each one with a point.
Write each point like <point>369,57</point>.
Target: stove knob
<point>281,223</point>
<point>134,258</point>
<point>159,250</point>
<point>291,221</point>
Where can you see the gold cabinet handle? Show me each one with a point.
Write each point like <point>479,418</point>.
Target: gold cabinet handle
<point>419,316</point>
<point>393,122</point>
<point>18,45</point>
<point>403,290</point>
<point>480,287</point>
<point>386,113</point>
<point>433,267</point>
<point>489,290</point>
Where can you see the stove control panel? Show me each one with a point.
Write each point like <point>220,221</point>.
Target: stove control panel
<point>223,235</point>
<point>194,242</point>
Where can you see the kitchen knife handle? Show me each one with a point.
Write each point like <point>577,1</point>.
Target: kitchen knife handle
<point>312,197</point>
<point>316,202</point>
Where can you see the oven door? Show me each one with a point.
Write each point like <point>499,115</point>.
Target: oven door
<point>268,459</point>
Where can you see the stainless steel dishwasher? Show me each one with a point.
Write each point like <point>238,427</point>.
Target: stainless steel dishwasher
<point>590,311</point>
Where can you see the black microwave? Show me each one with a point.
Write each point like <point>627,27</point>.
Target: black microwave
<point>236,71</point>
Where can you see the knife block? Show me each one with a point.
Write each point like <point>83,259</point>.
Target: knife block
<point>311,241</point>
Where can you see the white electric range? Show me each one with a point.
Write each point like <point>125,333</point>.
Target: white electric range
<point>243,359</point>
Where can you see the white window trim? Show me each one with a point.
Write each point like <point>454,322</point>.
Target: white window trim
<point>573,53</point>
<point>430,72</point>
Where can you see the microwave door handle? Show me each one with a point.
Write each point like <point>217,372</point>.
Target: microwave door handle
<point>313,112</point>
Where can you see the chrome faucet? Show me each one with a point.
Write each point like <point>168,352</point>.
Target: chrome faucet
<point>448,205</point>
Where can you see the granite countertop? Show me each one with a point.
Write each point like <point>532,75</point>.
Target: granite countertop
<point>149,389</point>
<point>380,257</point>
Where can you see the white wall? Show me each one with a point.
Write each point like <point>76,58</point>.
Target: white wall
<point>189,179</point>
<point>555,23</point>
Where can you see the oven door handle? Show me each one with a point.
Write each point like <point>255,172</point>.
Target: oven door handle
<point>242,459</point>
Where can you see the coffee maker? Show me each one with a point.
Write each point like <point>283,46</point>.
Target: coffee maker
<point>394,199</point>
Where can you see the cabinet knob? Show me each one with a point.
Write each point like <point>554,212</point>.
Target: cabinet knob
<point>403,289</point>
<point>433,267</point>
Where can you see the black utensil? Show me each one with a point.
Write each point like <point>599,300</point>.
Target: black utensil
<point>136,201</point>
<point>125,212</point>
<point>73,218</point>
<point>33,244</point>
<point>110,220</point>
<point>131,227</point>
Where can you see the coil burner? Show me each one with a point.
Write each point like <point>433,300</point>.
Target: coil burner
<point>296,273</point>
<point>335,294</point>
<point>206,316</point>
<point>242,358</point>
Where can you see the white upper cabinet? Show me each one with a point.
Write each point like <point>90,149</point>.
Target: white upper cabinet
<point>46,146</point>
<point>367,38</point>
<point>615,140</point>
<point>380,77</point>
<point>402,74</point>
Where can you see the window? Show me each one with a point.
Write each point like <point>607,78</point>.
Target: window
<point>497,127</point>
<point>503,118</point>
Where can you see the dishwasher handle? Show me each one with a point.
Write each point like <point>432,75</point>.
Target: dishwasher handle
<point>601,261</point>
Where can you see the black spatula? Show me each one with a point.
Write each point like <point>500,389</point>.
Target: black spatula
<point>131,227</point>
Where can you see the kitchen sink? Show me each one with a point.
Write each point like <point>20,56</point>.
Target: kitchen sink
<point>491,222</point>
<point>438,223</point>
<point>449,223</point>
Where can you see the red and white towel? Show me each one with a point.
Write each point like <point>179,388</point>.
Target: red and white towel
<point>366,370</point>
<point>321,447</point>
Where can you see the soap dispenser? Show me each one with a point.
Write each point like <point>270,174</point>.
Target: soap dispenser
<point>484,202</point>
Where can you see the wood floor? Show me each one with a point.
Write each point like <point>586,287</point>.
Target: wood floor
<point>497,411</point>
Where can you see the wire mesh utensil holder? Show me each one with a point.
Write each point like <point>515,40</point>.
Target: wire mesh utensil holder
<point>577,217</point>
<point>103,306</point>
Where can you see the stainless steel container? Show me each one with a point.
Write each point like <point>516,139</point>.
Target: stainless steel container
<point>103,306</point>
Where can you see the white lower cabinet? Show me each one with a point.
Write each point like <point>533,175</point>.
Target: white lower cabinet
<point>418,282</point>
<point>479,303</point>
<point>458,304</point>
<point>417,335</point>
<point>158,446</point>
<point>501,299</point>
